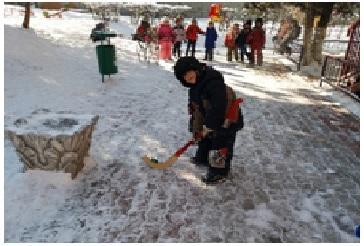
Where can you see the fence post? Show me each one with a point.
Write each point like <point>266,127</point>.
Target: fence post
<point>323,70</point>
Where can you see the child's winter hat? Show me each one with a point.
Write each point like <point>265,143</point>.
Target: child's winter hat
<point>259,20</point>
<point>185,64</point>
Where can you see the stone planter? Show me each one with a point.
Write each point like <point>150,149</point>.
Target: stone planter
<point>53,141</point>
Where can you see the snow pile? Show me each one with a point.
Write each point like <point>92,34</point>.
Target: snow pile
<point>72,29</point>
<point>52,124</point>
<point>38,195</point>
<point>63,77</point>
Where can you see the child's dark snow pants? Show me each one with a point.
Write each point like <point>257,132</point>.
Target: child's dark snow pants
<point>215,141</point>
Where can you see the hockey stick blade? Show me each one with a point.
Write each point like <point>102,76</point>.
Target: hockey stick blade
<point>169,162</point>
<point>160,165</point>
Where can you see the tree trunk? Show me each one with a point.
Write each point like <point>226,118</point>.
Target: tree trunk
<point>313,45</point>
<point>324,10</point>
<point>319,36</point>
<point>307,36</point>
<point>26,15</point>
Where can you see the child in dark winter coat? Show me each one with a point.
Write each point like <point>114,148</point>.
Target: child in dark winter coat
<point>142,30</point>
<point>211,37</point>
<point>256,39</point>
<point>210,100</point>
<point>241,40</point>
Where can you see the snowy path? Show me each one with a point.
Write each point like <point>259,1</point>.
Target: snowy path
<point>295,174</point>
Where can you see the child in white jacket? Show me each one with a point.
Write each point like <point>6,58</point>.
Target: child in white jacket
<point>180,36</point>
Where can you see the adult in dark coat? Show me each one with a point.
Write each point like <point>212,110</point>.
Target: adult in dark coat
<point>208,100</point>
<point>211,36</point>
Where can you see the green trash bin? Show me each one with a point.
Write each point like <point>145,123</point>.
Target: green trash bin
<point>106,56</point>
<point>106,53</point>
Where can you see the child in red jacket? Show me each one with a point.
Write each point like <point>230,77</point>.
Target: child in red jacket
<point>191,36</point>
<point>230,42</point>
<point>256,39</point>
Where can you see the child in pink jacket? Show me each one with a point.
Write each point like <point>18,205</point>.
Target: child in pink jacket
<point>166,39</point>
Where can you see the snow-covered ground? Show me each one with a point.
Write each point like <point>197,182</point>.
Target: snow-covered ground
<point>142,110</point>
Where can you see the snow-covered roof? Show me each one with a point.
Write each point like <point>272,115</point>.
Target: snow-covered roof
<point>228,9</point>
<point>173,7</point>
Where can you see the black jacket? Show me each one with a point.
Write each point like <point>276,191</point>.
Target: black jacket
<point>241,39</point>
<point>210,87</point>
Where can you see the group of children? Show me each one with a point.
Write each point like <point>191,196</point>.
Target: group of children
<point>168,40</point>
<point>249,41</point>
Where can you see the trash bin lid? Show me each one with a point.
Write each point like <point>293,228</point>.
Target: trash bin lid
<point>103,34</point>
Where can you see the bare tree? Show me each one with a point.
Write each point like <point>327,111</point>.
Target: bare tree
<point>26,15</point>
<point>315,35</point>
<point>307,36</point>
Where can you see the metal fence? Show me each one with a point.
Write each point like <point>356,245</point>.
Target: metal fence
<point>341,74</point>
<point>344,73</point>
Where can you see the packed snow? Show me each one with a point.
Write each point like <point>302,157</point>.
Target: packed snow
<point>53,66</point>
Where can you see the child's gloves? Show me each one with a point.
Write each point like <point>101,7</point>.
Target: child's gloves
<point>205,131</point>
<point>197,136</point>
